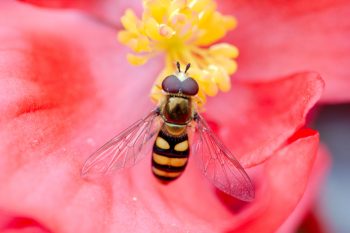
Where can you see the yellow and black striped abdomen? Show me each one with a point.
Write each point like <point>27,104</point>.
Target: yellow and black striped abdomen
<point>170,155</point>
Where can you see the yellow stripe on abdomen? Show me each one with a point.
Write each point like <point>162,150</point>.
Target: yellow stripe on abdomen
<point>162,144</point>
<point>165,174</point>
<point>170,153</point>
<point>173,162</point>
<point>182,146</point>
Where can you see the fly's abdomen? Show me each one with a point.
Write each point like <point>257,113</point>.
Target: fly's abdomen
<point>170,154</point>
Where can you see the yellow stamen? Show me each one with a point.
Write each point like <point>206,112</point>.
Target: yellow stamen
<point>185,31</point>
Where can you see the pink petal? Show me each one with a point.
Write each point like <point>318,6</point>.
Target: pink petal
<point>313,223</point>
<point>283,181</point>
<point>9,224</point>
<point>109,11</point>
<point>65,89</point>
<point>276,38</point>
<point>255,119</point>
<point>307,203</point>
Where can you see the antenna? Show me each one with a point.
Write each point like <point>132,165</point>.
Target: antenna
<point>187,67</point>
<point>178,66</point>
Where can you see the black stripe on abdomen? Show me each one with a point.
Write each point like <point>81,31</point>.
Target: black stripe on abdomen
<point>170,156</point>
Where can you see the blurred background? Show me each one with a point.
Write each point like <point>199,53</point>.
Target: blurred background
<point>333,123</point>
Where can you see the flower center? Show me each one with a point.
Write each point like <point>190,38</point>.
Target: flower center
<point>184,31</point>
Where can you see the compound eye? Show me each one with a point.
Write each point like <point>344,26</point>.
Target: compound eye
<point>171,84</point>
<point>190,86</point>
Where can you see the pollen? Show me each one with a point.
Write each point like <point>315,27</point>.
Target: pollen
<point>184,31</point>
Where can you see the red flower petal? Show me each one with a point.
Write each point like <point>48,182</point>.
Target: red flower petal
<point>313,223</point>
<point>279,38</point>
<point>255,119</point>
<point>9,224</point>
<point>283,180</point>
<point>307,202</point>
<point>106,10</point>
<point>65,89</point>
<point>313,35</point>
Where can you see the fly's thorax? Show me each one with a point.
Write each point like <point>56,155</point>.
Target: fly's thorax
<point>177,109</point>
<point>174,129</point>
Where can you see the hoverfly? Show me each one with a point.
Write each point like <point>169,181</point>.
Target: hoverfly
<point>165,129</point>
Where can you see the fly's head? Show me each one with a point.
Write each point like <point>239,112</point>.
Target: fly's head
<point>180,84</point>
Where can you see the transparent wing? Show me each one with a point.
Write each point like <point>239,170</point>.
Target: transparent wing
<point>219,165</point>
<point>126,149</point>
